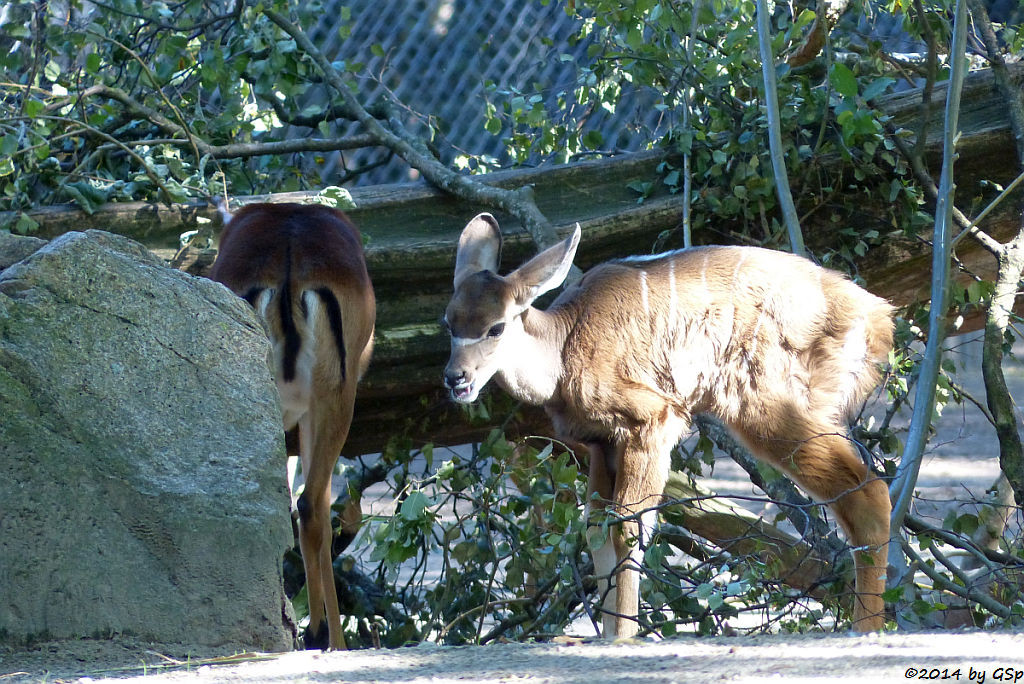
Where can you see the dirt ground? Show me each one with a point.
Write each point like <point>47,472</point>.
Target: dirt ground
<point>947,656</point>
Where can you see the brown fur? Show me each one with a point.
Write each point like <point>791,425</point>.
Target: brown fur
<point>268,251</point>
<point>776,347</point>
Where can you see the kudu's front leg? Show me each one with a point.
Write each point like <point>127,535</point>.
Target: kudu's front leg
<point>600,488</point>
<point>638,471</point>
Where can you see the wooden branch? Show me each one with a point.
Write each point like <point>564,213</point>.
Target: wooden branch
<point>740,532</point>
<point>1012,92</point>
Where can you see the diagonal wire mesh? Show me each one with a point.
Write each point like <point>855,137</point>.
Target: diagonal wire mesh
<point>437,57</point>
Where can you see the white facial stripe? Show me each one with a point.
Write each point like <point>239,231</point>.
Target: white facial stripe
<point>466,341</point>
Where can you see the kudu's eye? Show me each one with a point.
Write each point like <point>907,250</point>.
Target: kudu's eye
<point>496,330</point>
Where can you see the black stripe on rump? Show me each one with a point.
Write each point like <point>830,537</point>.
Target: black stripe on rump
<point>334,318</point>
<point>292,340</point>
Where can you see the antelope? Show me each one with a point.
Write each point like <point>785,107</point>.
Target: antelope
<point>301,267</point>
<point>777,348</point>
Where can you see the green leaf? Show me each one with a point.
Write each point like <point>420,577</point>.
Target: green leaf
<point>843,80</point>
<point>593,140</point>
<point>25,224</point>
<point>8,144</point>
<point>86,195</point>
<point>414,505</point>
<point>92,63</point>
<point>6,166</point>
<point>566,475</point>
<point>877,87</point>
<point>336,197</point>
<point>51,71</point>
<point>33,108</point>
<point>300,604</point>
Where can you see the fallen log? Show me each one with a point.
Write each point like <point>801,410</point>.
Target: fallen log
<point>412,231</point>
<point>739,532</point>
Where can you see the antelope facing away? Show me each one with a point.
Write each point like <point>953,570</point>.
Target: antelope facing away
<point>777,348</point>
<point>301,267</point>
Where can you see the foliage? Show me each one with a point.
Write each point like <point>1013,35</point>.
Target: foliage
<point>637,54</point>
<point>490,545</point>
<point>131,100</point>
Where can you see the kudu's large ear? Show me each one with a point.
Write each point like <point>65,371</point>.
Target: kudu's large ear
<point>545,271</point>
<point>479,247</point>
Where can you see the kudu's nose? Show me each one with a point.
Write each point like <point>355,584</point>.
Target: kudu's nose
<point>453,380</point>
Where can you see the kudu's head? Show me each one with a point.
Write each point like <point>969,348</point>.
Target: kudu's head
<point>485,315</point>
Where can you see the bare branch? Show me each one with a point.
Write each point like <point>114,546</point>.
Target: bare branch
<point>943,583</point>
<point>233,150</point>
<point>771,105</point>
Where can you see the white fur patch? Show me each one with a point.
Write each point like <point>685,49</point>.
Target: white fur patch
<point>644,258</point>
<point>262,302</point>
<point>297,394</point>
<point>854,356</point>
<point>645,293</point>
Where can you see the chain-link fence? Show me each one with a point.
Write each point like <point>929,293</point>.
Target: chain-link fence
<point>437,57</point>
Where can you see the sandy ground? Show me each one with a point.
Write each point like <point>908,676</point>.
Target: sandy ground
<point>961,462</point>
<point>963,657</point>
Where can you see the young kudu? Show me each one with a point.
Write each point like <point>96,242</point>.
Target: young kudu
<point>777,348</point>
<point>301,267</point>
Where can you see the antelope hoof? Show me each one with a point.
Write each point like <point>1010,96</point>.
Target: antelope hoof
<point>318,639</point>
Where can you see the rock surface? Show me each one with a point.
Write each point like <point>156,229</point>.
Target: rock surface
<point>14,248</point>
<point>142,487</point>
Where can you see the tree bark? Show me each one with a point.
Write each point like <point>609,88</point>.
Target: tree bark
<point>1011,265</point>
<point>742,533</point>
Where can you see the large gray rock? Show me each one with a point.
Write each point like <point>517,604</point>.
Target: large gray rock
<point>14,248</point>
<point>142,487</point>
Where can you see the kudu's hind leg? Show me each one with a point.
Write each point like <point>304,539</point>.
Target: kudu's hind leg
<point>826,464</point>
<point>862,509</point>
